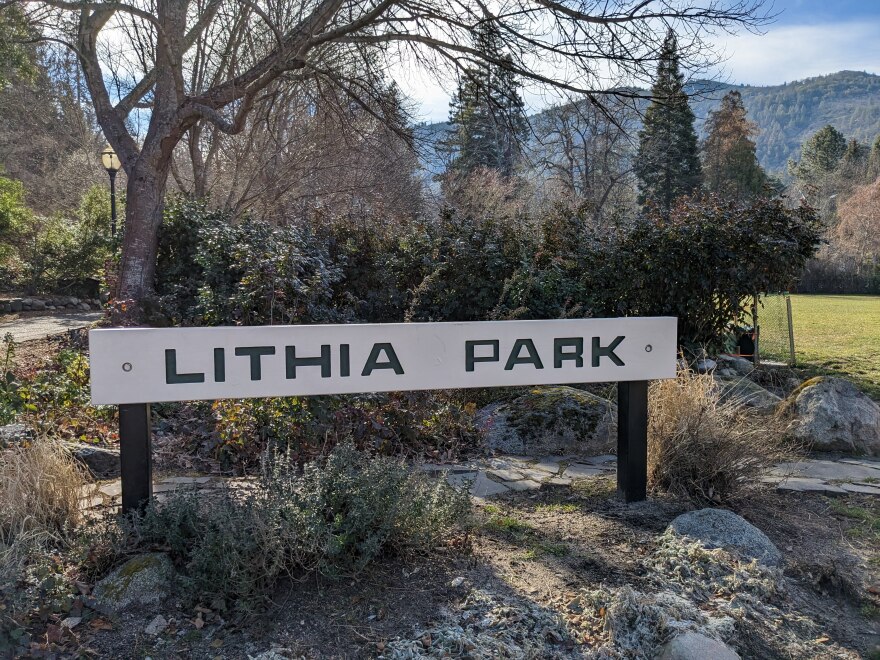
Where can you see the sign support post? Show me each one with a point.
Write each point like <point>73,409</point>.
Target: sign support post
<point>135,456</point>
<point>632,440</point>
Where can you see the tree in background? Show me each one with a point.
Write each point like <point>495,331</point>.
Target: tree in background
<point>668,161</point>
<point>730,166</point>
<point>820,155</point>
<point>857,233</point>
<point>16,53</point>
<point>487,112</point>
<point>585,157</point>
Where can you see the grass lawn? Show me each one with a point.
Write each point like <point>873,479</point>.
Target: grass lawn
<point>838,335</point>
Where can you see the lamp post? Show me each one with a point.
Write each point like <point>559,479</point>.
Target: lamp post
<point>111,163</point>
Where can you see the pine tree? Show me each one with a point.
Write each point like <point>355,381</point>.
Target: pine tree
<point>820,155</point>
<point>730,166</point>
<point>487,111</point>
<point>668,163</point>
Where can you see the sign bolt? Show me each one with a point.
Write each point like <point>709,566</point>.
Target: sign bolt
<point>648,348</point>
<point>126,366</point>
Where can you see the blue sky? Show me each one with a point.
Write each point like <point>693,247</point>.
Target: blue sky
<point>807,38</point>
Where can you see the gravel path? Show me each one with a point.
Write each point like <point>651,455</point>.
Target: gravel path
<point>39,327</point>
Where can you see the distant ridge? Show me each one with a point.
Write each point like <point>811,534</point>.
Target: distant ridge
<point>785,114</point>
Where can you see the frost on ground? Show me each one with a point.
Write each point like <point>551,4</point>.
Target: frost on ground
<point>686,588</point>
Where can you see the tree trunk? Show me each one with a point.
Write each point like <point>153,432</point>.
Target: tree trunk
<point>145,195</point>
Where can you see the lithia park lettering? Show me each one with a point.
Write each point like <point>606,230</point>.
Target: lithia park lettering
<point>523,354</point>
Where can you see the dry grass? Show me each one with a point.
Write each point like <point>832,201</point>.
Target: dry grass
<point>39,498</point>
<point>706,450</point>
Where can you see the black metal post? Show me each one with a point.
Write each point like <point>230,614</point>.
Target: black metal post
<point>135,456</point>
<point>112,174</point>
<point>632,440</point>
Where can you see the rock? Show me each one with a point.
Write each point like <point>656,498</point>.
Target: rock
<point>38,304</point>
<point>747,393</point>
<point>581,471</point>
<point>551,420</point>
<point>71,622</point>
<point>808,485</point>
<point>831,414</point>
<point>525,484</point>
<point>717,528</point>
<point>15,305</point>
<point>705,365</point>
<point>14,434</point>
<point>157,626</point>
<point>456,582</point>
<point>102,462</point>
<point>694,646</point>
<point>141,581</point>
<point>740,365</point>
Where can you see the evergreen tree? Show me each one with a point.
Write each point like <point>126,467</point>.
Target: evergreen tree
<point>874,160</point>
<point>730,166</point>
<point>668,162</point>
<point>820,155</point>
<point>487,112</point>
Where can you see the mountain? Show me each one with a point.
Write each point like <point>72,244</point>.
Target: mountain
<point>786,114</point>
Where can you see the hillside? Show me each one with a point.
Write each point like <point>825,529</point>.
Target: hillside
<point>788,114</point>
<point>785,114</point>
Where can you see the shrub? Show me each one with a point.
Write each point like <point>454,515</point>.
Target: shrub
<point>216,272</point>
<point>52,253</point>
<point>40,489</point>
<point>336,516</point>
<point>57,401</point>
<point>396,423</point>
<point>10,400</point>
<point>704,449</point>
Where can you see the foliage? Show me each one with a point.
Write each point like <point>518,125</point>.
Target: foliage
<point>705,449</point>
<point>703,261</point>
<point>16,58</point>
<point>54,253</point>
<point>40,489</point>
<point>215,272</point>
<point>10,400</point>
<point>667,162</point>
<point>57,401</point>
<point>730,166</point>
<point>463,262</point>
<point>336,517</point>
<point>487,111</point>
<point>820,155</point>
<point>430,424</point>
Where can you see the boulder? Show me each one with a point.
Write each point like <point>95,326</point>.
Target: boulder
<point>14,434</point>
<point>144,580</point>
<point>705,365</point>
<point>102,462</point>
<point>717,528</point>
<point>746,392</point>
<point>694,646</point>
<point>15,305</point>
<point>558,420</point>
<point>735,363</point>
<point>831,414</point>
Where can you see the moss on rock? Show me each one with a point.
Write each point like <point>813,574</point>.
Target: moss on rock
<point>551,420</point>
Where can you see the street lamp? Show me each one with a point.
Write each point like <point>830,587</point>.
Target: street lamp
<point>111,163</point>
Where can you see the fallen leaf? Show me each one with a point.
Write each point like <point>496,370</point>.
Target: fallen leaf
<point>821,640</point>
<point>54,633</point>
<point>217,643</point>
<point>101,624</point>
<point>199,623</point>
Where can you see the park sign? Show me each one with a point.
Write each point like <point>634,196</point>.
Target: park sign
<point>140,365</point>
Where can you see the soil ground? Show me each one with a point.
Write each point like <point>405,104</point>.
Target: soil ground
<point>541,549</point>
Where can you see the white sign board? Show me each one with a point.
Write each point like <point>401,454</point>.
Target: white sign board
<point>146,365</point>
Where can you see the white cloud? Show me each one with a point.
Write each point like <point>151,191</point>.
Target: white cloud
<point>794,52</point>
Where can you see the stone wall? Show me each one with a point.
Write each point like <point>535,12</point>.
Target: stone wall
<point>48,303</point>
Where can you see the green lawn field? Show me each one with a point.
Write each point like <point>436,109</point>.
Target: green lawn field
<point>837,335</point>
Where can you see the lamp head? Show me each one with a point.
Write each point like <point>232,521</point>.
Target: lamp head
<point>110,160</point>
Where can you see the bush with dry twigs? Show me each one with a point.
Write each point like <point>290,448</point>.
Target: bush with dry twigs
<point>40,487</point>
<point>707,449</point>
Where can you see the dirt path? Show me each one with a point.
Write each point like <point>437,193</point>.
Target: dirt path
<point>27,328</point>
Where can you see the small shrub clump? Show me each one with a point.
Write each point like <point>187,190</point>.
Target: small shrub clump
<point>334,517</point>
<point>705,449</point>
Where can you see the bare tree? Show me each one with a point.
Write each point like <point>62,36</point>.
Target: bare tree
<point>585,151</point>
<point>141,54</point>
